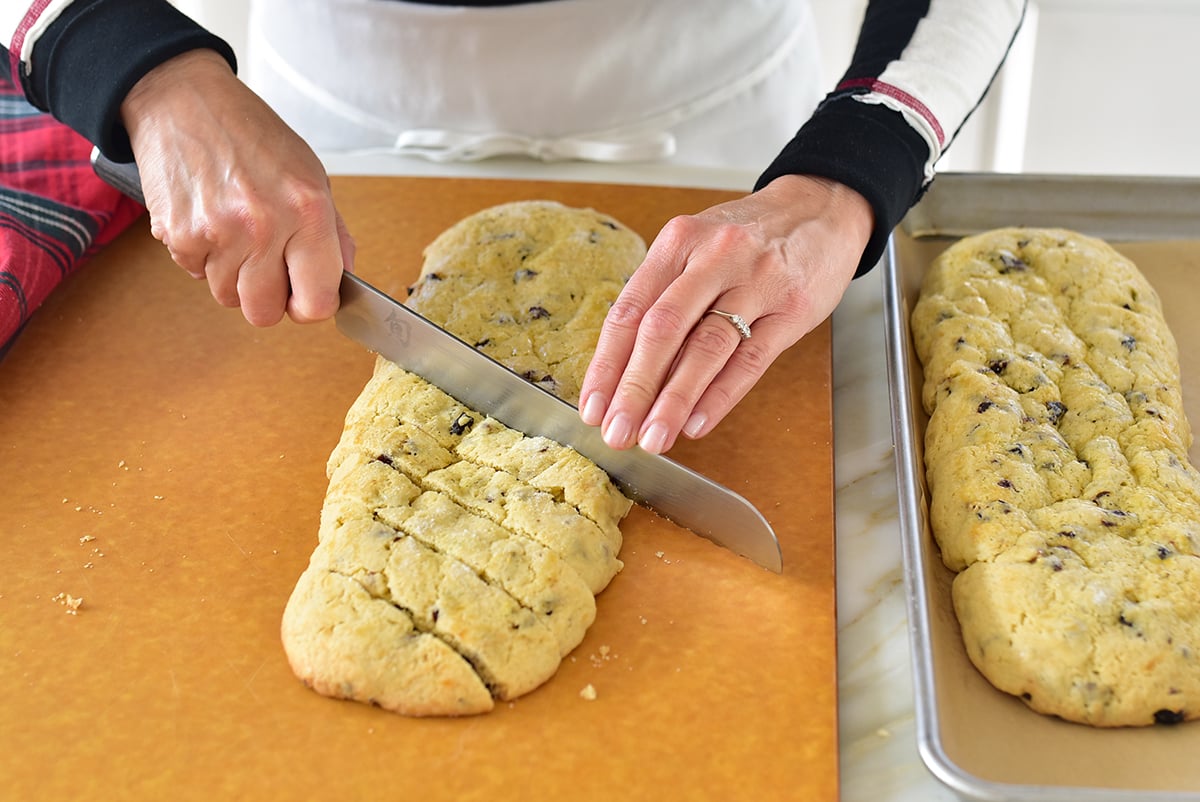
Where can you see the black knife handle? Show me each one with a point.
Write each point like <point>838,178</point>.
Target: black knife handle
<point>124,177</point>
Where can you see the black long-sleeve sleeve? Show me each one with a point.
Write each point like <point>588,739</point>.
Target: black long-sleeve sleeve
<point>92,54</point>
<point>919,69</point>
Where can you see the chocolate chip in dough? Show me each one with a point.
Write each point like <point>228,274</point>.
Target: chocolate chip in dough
<point>1165,716</point>
<point>1056,409</point>
<point>1010,263</point>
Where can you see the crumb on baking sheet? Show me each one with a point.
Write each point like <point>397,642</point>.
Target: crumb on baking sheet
<point>86,539</point>
<point>588,692</point>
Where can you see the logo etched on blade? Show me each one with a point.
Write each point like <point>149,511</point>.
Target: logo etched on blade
<point>397,327</point>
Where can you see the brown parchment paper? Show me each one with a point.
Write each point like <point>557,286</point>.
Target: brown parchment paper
<point>164,461</point>
<point>991,736</point>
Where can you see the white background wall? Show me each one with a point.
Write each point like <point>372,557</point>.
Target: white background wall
<point>1115,87</point>
<point>1092,86</point>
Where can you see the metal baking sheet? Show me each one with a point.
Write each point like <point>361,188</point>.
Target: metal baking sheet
<point>980,742</point>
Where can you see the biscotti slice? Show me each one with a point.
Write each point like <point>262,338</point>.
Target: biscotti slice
<point>534,575</point>
<point>534,514</point>
<point>1057,463</point>
<point>346,643</point>
<point>393,395</point>
<point>552,467</point>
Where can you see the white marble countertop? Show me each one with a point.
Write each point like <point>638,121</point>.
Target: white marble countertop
<point>877,740</point>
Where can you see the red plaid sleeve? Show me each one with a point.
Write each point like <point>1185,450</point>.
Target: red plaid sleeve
<point>54,212</point>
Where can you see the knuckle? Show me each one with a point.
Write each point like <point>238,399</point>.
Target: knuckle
<point>252,225</point>
<point>712,341</point>
<point>720,397</point>
<point>159,229</point>
<point>225,298</point>
<point>730,237</point>
<point>678,227</point>
<point>308,201</point>
<point>602,365</point>
<point>262,315</point>
<point>753,359</point>
<point>637,389</point>
<point>624,314</point>
<point>793,306</point>
<point>319,308</point>
<point>679,396</point>
<point>664,321</point>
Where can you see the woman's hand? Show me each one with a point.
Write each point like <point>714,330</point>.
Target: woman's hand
<point>780,258</point>
<point>235,195</point>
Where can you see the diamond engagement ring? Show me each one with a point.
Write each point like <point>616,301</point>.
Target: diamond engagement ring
<point>739,322</point>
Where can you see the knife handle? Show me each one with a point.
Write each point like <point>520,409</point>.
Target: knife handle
<point>124,177</point>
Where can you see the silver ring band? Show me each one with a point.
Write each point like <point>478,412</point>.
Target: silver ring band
<point>739,322</point>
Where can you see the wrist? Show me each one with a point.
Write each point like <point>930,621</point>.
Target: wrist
<point>841,205</point>
<point>164,82</point>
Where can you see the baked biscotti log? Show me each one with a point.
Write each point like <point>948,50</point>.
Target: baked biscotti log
<point>1060,487</point>
<point>529,283</point>
<point>457,559</point>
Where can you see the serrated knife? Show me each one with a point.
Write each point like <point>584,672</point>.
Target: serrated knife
<point>391,329</point>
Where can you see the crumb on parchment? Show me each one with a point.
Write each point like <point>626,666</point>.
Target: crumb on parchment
<point>588,692</point>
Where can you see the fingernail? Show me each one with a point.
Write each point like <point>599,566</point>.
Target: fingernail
<point>619,432</point>
<point>695,424</point>
<point>655,438</point>
<point>593,409</point>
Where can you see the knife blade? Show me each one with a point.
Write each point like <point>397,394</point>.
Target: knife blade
<point>388,327</point>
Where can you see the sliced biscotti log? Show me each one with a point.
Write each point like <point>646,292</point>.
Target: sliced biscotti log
<point>457,559</point>
<point>502,572</point>
<point>1057,462</point>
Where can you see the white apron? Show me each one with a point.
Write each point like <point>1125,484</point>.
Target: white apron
<point>711,83</point>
